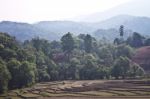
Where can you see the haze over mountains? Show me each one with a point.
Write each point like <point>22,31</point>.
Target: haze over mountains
<point>133,8</point>
<point>100,25</point>
<point>53,30</point>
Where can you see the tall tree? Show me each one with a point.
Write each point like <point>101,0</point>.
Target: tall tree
<point>123,50</point>
<point>136,40</point>
<point>121,67</point>
<point>68,44</point>
<point>88,43</point>
<point>14,68</point>
<point>27,75</point>
<point>4,76</point>
<point>121,30</point>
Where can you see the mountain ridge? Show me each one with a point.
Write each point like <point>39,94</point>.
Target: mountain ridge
<point>133,7</point>
<point>53,30</point>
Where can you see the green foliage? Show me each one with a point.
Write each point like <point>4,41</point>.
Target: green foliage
<point>14,68</point>
<point>147,42</point>
<point>27,73</point>
<point>43,75</point>
<point>136,70</point>
<point>52,69</point>
<point>68,43</point>
<point>73,69</point>
<point>88,43</point>
<point>106,56</point>
<point>72,58</point>
<point>136,40</point>
<point>124,50</point>
<point>121,67</point>
<point>89,67</point>
<point>4,76</point>
<point>8,53</point>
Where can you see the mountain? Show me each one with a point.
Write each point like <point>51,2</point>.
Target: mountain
<point>24,31</point>
<point>110,34</point>
<point>63,27</point>
<point>136,24</point>
<point>133,7</point>
<point>53,30</point>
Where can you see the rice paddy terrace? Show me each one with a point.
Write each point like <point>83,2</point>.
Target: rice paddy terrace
<point>86,89</point>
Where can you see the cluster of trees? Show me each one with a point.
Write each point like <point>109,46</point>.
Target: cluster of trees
<point>136,40</point>
<point>79,57</point>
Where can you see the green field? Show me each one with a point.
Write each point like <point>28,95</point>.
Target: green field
<point>87,89</point>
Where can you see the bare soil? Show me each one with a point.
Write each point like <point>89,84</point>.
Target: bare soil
<point>86,89</point>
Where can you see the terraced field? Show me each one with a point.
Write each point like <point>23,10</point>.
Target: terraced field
<point>101,89</point>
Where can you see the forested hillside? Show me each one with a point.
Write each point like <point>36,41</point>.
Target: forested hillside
<point>53,30</point>
<point>81,57</point>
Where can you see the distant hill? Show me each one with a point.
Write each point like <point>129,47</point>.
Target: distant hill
<point>131,23</point>
<point>133,7</point>
<point>24,31</point>
<point>53,30</point>
<point>63,27</point>
<point>110,34</point>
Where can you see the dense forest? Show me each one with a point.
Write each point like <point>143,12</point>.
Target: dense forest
<point>79,57</point>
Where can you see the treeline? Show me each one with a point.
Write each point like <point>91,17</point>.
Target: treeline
<point>79,57</point>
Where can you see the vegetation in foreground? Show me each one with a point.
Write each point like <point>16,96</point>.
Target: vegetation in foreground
<point>72,58</point>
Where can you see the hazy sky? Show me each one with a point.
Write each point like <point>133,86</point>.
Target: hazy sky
<point>42,10</point>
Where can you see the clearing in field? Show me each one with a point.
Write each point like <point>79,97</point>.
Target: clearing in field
<point>107,89</point>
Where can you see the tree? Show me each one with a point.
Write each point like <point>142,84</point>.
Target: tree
<point>43,75</point>
<point>4,76</point>
<point>121,67</point>
<point>88,43</point>
<point>121,30</point>
<point>105,55</point>
<point>73,71</point>
<point>55,45</point>
<point>120,40</point>
<point>52,69</point>
<point>89,67</point>
<point>147,42</point>
<point>7,53</point>
<point>136,40</point>
<point>116,71</point>
<point>27,75</point>
<point>63,71</point>
<point>124,50</point>
<point>68,43</point>
<point>103,72</point>
<point>14,68</point>
<point>136,70</point>
<point>88,71</point>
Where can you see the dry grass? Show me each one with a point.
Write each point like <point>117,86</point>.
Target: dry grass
<point>87,88</point>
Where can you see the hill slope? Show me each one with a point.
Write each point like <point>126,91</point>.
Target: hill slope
<point>24,31</point>
<point>131,23</point>
<point>133,7</point>
<point>53,30</point>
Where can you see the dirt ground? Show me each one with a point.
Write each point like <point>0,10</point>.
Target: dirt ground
<point>86,89</point>
<point>96,98</point>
